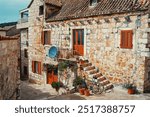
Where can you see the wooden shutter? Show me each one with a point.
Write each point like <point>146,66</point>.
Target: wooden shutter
<point>39,68</point>
<point>42,37</point>
<point>49,37</point>
<point>126,39</point>
<point>130,39</point>
<point>33,70</point>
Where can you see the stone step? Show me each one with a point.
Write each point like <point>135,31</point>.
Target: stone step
<point>89,68</point>
<point>109,86</point>
<point>92,71</point>
<point>97,75</point>
<point>105,82</point>
<point>86,65</point>
<point>102,78</point>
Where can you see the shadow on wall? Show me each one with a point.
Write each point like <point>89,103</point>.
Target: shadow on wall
<point>147,76</point>
<point>24,64</point>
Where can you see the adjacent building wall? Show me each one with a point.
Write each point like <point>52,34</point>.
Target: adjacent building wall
<point>9,72</point>
<point>24,59</point>
<point>2,33</point>
<point>35,49</point>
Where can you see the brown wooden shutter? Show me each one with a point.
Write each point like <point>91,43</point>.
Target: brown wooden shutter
<point>130,39</point>
<point>39,68</point>
<point>126,39</point>
<point>42,37</point>
<point>33,70</point>
<point>49,37</point>
<point>122,43</point>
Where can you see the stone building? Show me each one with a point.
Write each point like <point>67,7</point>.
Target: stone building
<point>9,68</point>
<point>113,35</point>
<point>8,29</point>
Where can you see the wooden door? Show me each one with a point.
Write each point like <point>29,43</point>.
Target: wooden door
<point>78,41</point>
<point>52,76</point>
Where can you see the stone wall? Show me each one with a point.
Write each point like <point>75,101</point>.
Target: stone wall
<point>35,49</point>
<point>9,74</point>
<point>3,33</point>
<point>102,45</point>
<point>24,46</point>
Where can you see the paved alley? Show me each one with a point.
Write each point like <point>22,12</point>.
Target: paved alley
<point>46,92</point>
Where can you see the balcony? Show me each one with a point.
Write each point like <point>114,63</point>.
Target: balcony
<point>23,22</point>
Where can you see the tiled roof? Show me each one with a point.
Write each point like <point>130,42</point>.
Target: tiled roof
<point>81,8</point>
<point>6,28</point>
<point>54,2</point>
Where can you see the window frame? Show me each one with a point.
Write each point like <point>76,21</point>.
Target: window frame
<point>36,67</point>
<point>46,40</point>
<point>126,39</point>
<point>93,3</point>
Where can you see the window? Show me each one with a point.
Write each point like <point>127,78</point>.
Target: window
<point>26,53</point>
<point>93,2</point>
<point>24,16</point>
<point>46,37</point>
<point>36,67</point>
<point>41,10</point>
<point>126,39</point>
<point>25,70</point>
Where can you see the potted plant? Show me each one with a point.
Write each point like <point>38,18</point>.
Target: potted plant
<point>86,92</point>
<point>77,83</point>
<point>131,88</point>
<point>56,85</point>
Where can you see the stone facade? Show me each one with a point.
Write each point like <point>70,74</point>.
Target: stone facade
<point>9,69</point>
<point>101,44</point>
<point>36,49</point>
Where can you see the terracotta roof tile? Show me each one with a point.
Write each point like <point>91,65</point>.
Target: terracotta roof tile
<point>54,2</point>
<point>81,8</point>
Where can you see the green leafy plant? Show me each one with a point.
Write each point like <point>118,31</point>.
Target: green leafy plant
<point>130,86</point>
<point>56,85</point>
<point>77,81</point>
<point>62,66</point>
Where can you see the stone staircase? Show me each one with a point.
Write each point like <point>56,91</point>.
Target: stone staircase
<point>91,71</point>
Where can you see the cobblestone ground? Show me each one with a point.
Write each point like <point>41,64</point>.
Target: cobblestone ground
<point>43,92</point>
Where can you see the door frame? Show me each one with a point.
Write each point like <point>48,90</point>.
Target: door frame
<point>79,28</point>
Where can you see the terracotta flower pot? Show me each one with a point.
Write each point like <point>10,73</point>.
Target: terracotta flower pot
<point>86,92</point>
<point>131,91</point>
<point>81,91</point>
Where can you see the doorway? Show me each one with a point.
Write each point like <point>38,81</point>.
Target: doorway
<point>52,75</point>
<point>78,42</point>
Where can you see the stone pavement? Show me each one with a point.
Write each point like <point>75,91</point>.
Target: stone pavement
<point>46,92</point>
